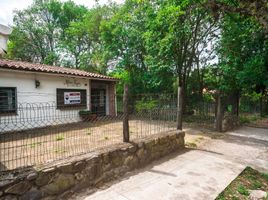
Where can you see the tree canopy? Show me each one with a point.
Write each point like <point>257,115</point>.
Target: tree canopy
<point>207,44</point>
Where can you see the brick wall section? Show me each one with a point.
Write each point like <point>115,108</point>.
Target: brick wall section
<point>62,179</point>
<point>111,92</point>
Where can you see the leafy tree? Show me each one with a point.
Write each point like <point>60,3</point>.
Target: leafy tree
<point>122,36</point>
<point>243,59</point>
<point>257,9</point>
<point>150,43</point>
<point>178,36</point>
<point>39,29</point>
<point>82,40</point>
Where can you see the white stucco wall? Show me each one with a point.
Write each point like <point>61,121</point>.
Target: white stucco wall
<point>37,106</point>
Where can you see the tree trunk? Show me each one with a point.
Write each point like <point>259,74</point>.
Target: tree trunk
<point>125,117</point>
<point>219,113</point>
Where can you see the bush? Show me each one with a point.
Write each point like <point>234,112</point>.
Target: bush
<point>244,120</point>
<point>143,105</point>
<point>248,119</point>
<point>84,112</point>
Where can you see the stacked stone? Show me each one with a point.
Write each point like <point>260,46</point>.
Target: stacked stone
<point>90,170</point>
<point>230,122</point>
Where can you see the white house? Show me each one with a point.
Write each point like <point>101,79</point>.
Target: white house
<point>33,94</point>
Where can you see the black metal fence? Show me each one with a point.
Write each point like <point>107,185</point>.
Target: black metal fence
<point>257,106</point>
<point>202,113</point>
<point>33,134</point>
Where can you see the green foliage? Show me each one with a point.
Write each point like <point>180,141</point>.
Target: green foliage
<point>248,179</point>
<point>35,144</point>
<point>265,175</point>
<point>84,112</point>
<point>245,119</point>
<point>60,150</point>
<point>60,137</point>
<point>256,185</point>
<point>243,56</point>
<point>145,105</point>
<point>242,190</point>
<point>191,145</point>
<point>38,30</point>
<point>148,44</point>
<point>60,33</point>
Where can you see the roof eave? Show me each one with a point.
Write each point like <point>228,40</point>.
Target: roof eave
<point>7,68</point>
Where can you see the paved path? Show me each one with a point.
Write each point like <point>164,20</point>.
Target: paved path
<point>193,174</point>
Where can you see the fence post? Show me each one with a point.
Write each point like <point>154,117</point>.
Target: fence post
<point>179,109</point>
<point>125,116</point>
<point>219,114</point>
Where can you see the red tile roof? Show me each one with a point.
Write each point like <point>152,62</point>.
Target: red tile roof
<point>33,67</point>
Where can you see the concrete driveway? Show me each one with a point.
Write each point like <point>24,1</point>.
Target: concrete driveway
<point>200,173</point>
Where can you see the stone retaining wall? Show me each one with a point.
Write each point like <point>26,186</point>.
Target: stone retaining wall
<point>89,170</point>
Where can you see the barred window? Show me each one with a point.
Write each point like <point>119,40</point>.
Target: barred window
<point>8,100</point>
<point>71,98</point>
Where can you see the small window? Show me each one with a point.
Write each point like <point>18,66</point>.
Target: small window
<point>71,98</point>
<point>8,100</point>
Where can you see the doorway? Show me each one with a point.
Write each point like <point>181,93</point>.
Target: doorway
<point>98,101</point>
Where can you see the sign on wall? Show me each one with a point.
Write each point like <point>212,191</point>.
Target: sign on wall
<point>72,83</point>
<point>72,98</point>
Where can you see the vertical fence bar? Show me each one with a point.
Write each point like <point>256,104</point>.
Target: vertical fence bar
<point>179,109</point>
<point>219,114</point>
<point>125,116</point>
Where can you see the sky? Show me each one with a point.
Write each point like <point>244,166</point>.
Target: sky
<point>7,7</point>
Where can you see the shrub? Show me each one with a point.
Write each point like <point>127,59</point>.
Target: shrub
<point>248,119</point>
<point>244,119</point>
<point>84,112</point>
<point>143,105</point>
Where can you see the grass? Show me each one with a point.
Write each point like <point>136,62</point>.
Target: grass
<point>265,175</point>
<point>88,131</point>
<point>201,138</point>
<point>254,120</point>
<point>216,136</point>
<point>244,119</point>
<point>256,185</point>
<point>239,189</point>
<point>191,145</point>
<point>243,190</point>
<point>35,144</point>
<point>60,151</point>
<point>60,137</point>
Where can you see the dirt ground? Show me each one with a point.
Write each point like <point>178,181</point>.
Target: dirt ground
<point>40,146</point>
<point>43,145</point>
